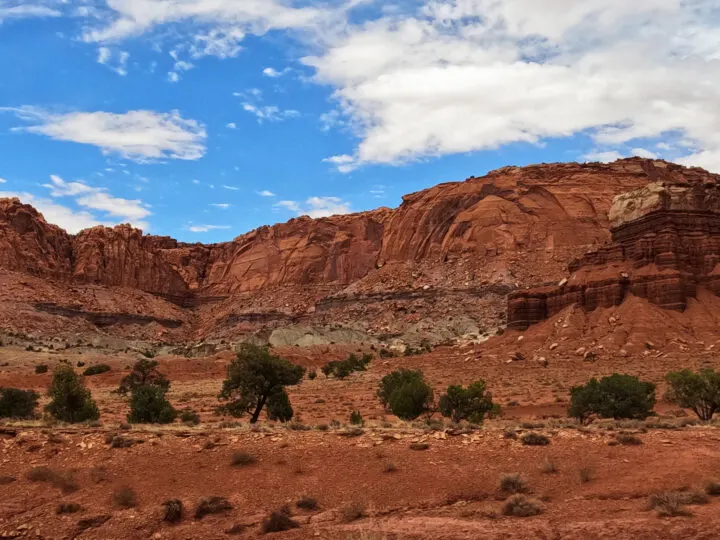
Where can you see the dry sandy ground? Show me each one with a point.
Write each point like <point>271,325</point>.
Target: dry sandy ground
<point>450,490</point>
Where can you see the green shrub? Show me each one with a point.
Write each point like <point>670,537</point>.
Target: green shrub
<point>279,407</point>
<point>253,377</point>
<point>70,400</point>
<point>341,369</point>
<point>471,403</point>
<point>534,439</point>
<point>356,418</point>
<point>148,405</point>
<point>189,417</point>
<point>406,394</point>
<point>617,396</point>
<point>312,375</point>
<point>41,368</point>
<point>16,403</point>
<point>144,373</point>
<point>97,369</point>
<point>697,391</point>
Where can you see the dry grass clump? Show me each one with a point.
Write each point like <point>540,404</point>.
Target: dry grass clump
<point>243,459</point>
<point>279,521</point>
<point>212,505</point>
<point>585,475</point>
<point>307,503</point>
<point>672,503</point>
<point>534,439</point>
<point>390,467</point>
<point>64,480</point>
<point>513,483</point>
<point>353,512</point>
<point>522,506</point>
<point>419,446</point>
<point>627,439</point>
<point>125,497</point>
<point>68,508</point>
<point>172,510</point>
<point>712,488</point>
<point>549,466</point>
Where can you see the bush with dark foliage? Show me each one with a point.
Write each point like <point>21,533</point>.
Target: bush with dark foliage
<point>172,510</point>
<point>212,505</point>
<point>617,396</point>
<point>16,403</point>
<point>279,407</point>
<point>97,369</point>
<point>148,405</point>
<point>471,403</point>
<point>341,369</point>
<point>697,391</point>
<point>406,394</point>
<point>70,400</point>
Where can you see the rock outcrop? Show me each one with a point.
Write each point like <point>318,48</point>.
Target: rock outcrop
<point>665,244</point>
<point>390,268</point>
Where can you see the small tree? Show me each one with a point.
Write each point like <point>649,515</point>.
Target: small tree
<point>471,403</point>
<point>406,394</point>
<point>70,400</point>
<point>279,407</point>
<point>16,403</point>
<point>148,405</point>
<point>616,396</point>
<point>253,377</point>
<point>145,372</point>
<point>697,391</point>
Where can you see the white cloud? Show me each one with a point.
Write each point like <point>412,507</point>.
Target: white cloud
<point>603,157</point>
<point>94,198</point>
<point>26,10</point>
<point>231,188</point>
<point>231,125</point>
<point>270,112</point>
<point>206,228</point>
<point>465,75</point>
<point>274,73</point>
<point>222,206</point>
<point>3,181</point>
<point>643,153</point>
<point>317,207</point>
<point>116,60</point>
<point>266,193</point>
<point>195,181</point>
<point>173,76</point>
<point>70,220</point>
<point>136,135</point>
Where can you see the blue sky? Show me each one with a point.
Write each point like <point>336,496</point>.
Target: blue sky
<point>203,119</point>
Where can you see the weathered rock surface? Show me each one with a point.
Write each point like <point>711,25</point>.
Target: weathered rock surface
<point>452,250</point>
<point>665,244</point>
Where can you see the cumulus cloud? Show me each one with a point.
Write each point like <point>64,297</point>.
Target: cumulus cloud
<point>17,9</point>
<point>274,73</point>
<point>317,207</point>
<point>231,125</point>
<point>136,135</point>
<point>3,181</point>
<point>266,193</point>
<point>71,220</point>
<point>206,228</point>
<point>464,75</point>
<point>603,157</point>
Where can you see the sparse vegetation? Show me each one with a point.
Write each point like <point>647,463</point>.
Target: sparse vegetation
<point>353,512</point>
<point>471,403</point>
<point>549,466</point>
<point>189,416</point>
<point>212,505</point>
<point>672,503</point>
<point>712,488</point>
<point>279,521</point>
<point>697,391</point>
<point>63,480</point>
<point>253,377</point>
<point>307,503</point>
<point>312,375</point>
<point>148,405</point>
<point>70,400</point>
<point>418,446</point>
<point>68,508</point>
<point>172,511</point>
<point>522,506</point>
<point>356,419</point>
<point>144,373</point>
<point>341,369</point>
<point>16,403</point>
<point>513,483</point>
<point>617,396</point>
<point>243,459</point>
<point>97,369</point>
<point>41,368</point>
<point>628,439</point>
<point>585,475</point>
<point>125,497</point>
<point>534,439</point>
<point>389,467</point>
<point>406,394</point>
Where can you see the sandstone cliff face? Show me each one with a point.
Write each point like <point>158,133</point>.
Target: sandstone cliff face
<point>665,244</point>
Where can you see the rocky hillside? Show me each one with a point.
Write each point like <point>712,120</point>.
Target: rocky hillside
<point>448,253</point>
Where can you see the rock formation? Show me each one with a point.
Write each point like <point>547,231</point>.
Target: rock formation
<point>665,243</point>
<point>449,252</point>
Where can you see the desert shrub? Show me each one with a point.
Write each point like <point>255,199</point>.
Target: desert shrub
<point>585,475</point>
<point>148,405</point>
<point>628,440</point>
<point>41,368</point>
<point>389,467</point>
<point>356,418</point>
<point>212,505</point>
<point>548,466</point>
<point>617,396</point>
<point>97,369</point>
<point>68,508</point>
<point>669,504</point>
<point>534,439</point>
<point>16,403</point>
<point>253,377</point>
<point>419,446</point>
<point>189,417</point>
<point>125,497</point>
<point>406,394</point>
<point>5,480</point>
<point>70,400</point>
<point>341,369</point>
<point>80,363</point>
<point>144,373</point>
<point>172,511</point>
<point>712,488</point>
<point>242,459</point>
<point>63,480</point>
<point>279,407</point>
<point>279,521</point>
<point>312,375</point>
<point>521,506</point>
<point>471,403</point>
<point>697,391</point>
<point>307,503</point>
<point>513,483</point>
<point>353,512</point>
<point>386,353</point>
